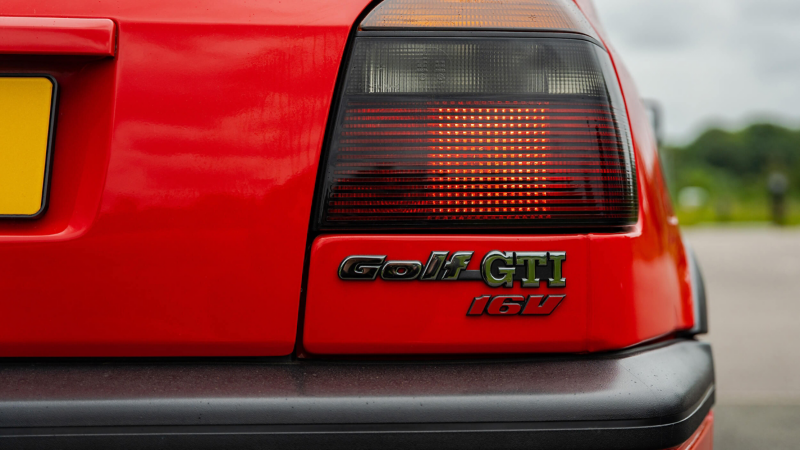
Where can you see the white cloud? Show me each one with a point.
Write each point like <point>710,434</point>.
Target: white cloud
<point>723,61</point>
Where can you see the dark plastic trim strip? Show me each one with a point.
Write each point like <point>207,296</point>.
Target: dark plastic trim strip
<point>482,34</point>
<point>698,295</point>
<point>646,399</point>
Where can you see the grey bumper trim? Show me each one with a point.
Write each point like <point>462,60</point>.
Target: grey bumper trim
<point>650,398</point>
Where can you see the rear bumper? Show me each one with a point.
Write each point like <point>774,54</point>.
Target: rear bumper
<point>650,398</point>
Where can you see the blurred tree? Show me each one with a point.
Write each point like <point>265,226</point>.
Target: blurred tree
<point>753,152</point>
<point>734,166</point>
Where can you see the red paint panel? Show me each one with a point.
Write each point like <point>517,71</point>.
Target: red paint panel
<point>57,36</point>
<point>703,438</point>
<point>616,296</point>
<point>384,317</point>
<point>183,177</point>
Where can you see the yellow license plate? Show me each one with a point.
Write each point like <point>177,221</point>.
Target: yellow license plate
<point>26,127</point>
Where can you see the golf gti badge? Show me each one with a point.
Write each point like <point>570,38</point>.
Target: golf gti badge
<point>497,269</point>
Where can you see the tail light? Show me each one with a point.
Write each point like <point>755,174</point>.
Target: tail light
<point>457,129</point>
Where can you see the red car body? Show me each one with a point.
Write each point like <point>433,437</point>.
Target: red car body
<point>180,160</point>
<point>187,150</point>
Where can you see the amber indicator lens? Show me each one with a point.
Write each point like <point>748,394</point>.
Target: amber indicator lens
<point>538,15</point>
<point>479,133</point>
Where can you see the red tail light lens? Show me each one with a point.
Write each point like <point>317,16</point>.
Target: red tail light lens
<point>472,133</point>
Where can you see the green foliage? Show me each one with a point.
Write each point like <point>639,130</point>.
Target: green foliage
<point>733,167</point>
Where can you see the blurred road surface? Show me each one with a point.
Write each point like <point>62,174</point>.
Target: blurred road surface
<point>753,281</point>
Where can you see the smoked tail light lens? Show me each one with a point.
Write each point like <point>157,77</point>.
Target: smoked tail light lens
<point>474,133</point>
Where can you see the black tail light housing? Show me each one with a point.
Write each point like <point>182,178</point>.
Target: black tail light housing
<point>449,130</point>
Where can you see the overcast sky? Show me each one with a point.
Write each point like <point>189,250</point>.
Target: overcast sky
<point>721,62</point>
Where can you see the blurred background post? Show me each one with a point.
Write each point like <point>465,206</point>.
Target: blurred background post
<point>724,79</point>
<point>778,187</point>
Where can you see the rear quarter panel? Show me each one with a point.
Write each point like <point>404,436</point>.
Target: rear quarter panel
<point>183,176</point>
<point>623,288</point>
